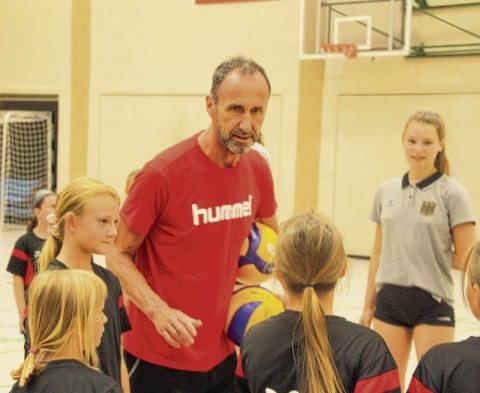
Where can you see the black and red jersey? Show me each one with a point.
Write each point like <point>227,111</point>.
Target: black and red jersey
<point>109,351</point>
<point>24,258</point>
<point>69,376</point>
<point>452,367</point>
<point>270,349</point>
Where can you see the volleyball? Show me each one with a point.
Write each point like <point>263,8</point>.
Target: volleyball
<point>250,305</point>
<point>257,255</point>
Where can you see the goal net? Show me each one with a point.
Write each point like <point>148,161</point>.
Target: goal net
<point>26,163</point>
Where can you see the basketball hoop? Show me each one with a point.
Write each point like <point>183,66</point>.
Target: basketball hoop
<point>335,56</point>
<point>350,51</point>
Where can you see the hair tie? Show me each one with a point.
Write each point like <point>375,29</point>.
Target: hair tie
<point>309,285</point>
<point>34,351</point>
<point>53,226</point>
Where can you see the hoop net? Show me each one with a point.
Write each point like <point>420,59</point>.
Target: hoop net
<point>338,53</point>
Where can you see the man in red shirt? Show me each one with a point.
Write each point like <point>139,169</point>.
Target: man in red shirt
<point>185,219</point>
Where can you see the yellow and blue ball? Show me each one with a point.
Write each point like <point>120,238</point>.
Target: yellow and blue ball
<point>257,256</point>
<point>249,306</point>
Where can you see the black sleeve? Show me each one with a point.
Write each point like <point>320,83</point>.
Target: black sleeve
<point>125,325</point>
<point>19,259</point>
<point>421,381</point>
<point>378,371</point>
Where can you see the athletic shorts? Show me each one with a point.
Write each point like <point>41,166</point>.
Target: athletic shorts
<point>151,378</point>
<point>411,306</point>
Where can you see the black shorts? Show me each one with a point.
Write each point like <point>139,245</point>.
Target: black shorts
<point>411,306</point>
<point>150,378</point>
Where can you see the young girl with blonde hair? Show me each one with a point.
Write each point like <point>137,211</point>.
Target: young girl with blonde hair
<point>453,367</point>
<point>307,348</point>
<point>84,224</point>
<point>66,322</point>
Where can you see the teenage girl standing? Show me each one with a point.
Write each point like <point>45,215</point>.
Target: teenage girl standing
<point>424,225</point>
<point>85,222</point>
<point>25,254</point>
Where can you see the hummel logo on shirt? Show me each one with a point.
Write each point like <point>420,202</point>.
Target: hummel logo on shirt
<point>220,213</point>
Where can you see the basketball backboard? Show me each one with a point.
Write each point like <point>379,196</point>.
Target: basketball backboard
<point>375,27</point>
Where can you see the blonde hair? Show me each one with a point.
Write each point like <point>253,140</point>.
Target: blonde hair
<point>471,269</point>
<point>311,258</point>
<point>75,198</point>
<point>61,306</point>
<point>441,161</point>
<point>130,179</point>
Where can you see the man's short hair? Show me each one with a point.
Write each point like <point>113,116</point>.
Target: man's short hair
<point>243,64</point>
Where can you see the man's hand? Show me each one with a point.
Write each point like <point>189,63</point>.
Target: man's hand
<point>177,328</point>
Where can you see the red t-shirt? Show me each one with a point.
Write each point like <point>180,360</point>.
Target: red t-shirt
<point>195,216</point>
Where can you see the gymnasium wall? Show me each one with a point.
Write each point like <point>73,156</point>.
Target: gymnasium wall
<point>35,46</point>
<point>365,109</point>
<point>143,70</point>
<point>151,68</point>
<point>35,58</point>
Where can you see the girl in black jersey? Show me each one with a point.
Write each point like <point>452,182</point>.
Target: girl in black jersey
<point>66,323</point>
<point>84,224</point>
<point>453,367</point>
<point>306,348</point>
<point>25,253</point>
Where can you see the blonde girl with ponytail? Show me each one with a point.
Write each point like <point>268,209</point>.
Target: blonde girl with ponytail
<point>307,348</point>
<point>84,224</point>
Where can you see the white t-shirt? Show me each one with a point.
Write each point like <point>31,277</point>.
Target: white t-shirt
<point>263,151</point>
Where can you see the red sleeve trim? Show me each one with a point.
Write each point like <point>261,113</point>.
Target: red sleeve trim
<point>239,370</point>
<point>120,301</point>
<point>23,256</point>
<point>29,274</point>
<point>418,387</point>
<point>385,382</point>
